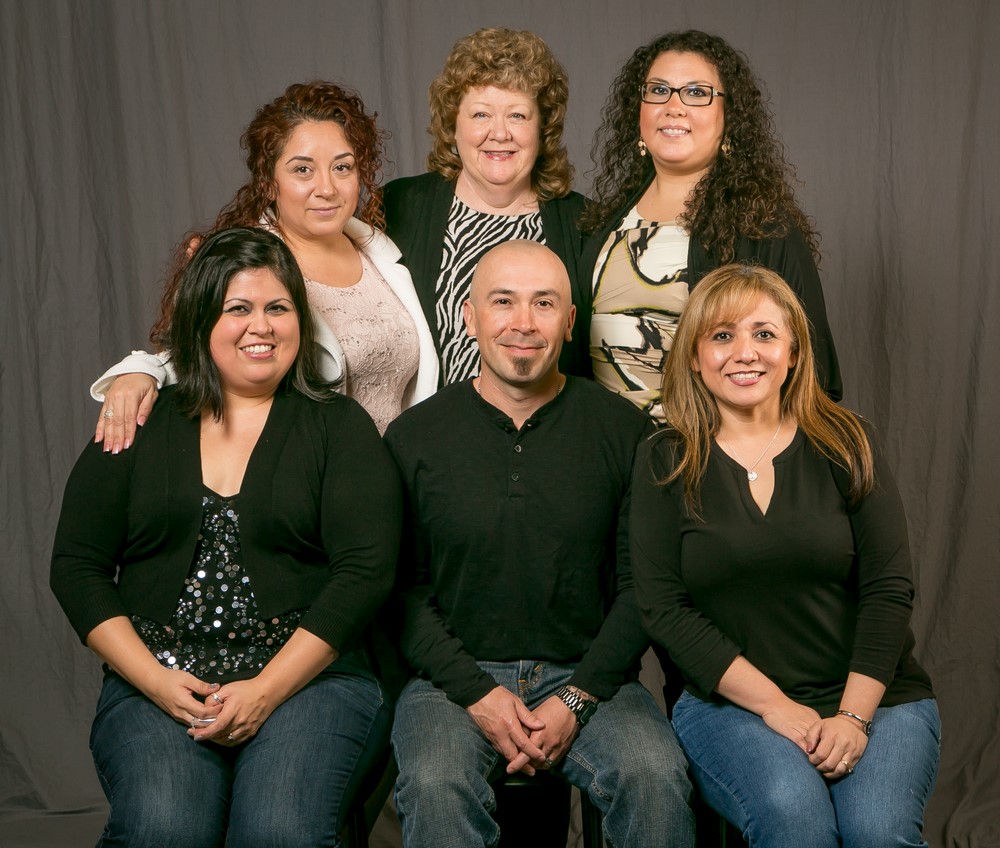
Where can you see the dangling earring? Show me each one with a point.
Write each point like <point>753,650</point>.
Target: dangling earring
<point>726,147</point>
<point>642,147</point>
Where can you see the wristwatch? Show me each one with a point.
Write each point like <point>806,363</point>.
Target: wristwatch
<point>866,726</point>
<point>581,706</point>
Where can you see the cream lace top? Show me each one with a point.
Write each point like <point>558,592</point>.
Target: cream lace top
<point>379,340</point>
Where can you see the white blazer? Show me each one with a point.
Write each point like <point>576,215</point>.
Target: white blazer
<point>385,256</point>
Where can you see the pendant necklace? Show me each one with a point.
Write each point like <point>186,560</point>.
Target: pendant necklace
<point>751,474</point>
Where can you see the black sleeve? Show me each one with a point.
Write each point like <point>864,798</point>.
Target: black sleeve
<point>91,537</point>
<point>701,651</point>
<point>360,519</point>
<point>427,643</point>
<point>621,641</point>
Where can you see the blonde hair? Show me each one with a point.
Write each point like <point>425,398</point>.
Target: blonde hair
<point>727,294</point>
<point>514,61</point>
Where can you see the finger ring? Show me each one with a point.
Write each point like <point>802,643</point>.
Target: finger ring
<point>848,766</point>
<point>231,738</point>
<point>549,763</point>
<point>109,413</point>
<point>194,723</point>
<point>218,700</point>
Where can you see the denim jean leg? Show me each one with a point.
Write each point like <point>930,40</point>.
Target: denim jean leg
<point>882,803</point>
<point>759,781</point>
<point>443,794</point>
<point>295,780</point>
<point>165,789</point>
<point>629,762</point>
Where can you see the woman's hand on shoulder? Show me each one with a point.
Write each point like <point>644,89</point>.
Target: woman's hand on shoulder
<point>127,404</point>
<point>835,745</point>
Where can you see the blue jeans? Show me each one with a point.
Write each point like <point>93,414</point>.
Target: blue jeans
<point>765,786</point>
<point>626,758</point>
<point>290,785</point>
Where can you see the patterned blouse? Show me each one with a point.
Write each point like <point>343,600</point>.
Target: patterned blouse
<point>640,291</point>
<point>469,235</point>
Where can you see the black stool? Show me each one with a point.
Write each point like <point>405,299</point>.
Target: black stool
<point>535,811</point>
<point>368,804</point>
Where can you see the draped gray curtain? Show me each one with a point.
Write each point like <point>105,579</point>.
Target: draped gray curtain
<point>119,124</point>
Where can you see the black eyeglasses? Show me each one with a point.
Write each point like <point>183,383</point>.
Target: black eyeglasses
<point>693,94</point>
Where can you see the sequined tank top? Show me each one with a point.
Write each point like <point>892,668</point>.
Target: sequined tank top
<point>217,633</point>
<point>379,340</point>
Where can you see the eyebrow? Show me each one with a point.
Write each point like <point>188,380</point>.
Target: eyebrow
<point>536,293</point>
<point>248,300</point>
<point>689,82</point>
<point>343,155</point>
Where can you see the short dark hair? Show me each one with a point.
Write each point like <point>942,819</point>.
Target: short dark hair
<point>198,304</point>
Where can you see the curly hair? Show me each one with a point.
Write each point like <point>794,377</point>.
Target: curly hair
<point>263,141</point>
<point>201,294</point>
<point>746,193</point>
<point>727,294</point>
<point>515,61</point>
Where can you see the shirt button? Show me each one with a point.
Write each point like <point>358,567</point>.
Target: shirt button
<point>517,448</point>
<point>515,476</point>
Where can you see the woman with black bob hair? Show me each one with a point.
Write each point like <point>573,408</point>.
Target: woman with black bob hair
<point>689,176</point>
<point>226,569</point>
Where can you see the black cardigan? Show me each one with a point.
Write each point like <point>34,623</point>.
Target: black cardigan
<point>416,213</point>
<point>788,256</point>
<point>320,512</point>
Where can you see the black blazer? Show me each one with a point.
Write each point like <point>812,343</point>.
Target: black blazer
<point>416,212</point>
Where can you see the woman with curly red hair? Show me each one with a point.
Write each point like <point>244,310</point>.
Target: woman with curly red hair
<point>315,159</point>
<point>690,176</point>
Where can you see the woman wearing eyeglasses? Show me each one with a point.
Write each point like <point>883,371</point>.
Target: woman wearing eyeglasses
<point>690,176</point>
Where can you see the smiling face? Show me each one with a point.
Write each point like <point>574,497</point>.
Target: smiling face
<point>683,140</point>
<point>497,133</point>
<point>256,338</point>
<point>520,311</point>
<point>317,182</point>
<point>744,363</point>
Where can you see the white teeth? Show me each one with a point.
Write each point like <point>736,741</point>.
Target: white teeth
<point>745,375</point>
<point>674,131</point>
<point>259,348</point>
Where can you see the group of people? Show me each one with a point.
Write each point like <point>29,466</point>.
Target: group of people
<point>604,424</point>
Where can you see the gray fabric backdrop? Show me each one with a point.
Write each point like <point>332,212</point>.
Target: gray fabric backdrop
<point>119,124</point>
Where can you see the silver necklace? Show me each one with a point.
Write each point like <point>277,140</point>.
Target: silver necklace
<point>751,474</point>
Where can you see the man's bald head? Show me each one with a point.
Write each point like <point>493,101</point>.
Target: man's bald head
<point>520,310</point>
<point>530,258</point>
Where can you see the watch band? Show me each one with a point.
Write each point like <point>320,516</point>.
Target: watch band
<point>583,708</point>
<point>866,725</point>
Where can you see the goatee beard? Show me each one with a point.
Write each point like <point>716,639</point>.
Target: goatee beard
<point>522,366</point>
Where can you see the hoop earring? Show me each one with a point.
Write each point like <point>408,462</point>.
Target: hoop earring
<point>642,147</point>
<point>726,147</point>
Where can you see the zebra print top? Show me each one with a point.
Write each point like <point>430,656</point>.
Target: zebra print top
<point>469,235</point>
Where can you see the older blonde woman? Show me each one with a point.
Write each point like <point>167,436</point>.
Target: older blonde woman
<point>498,171</point>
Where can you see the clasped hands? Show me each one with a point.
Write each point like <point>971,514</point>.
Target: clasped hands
<point>238,709</point>
<point>833,745</point>
<point>530,740</point>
